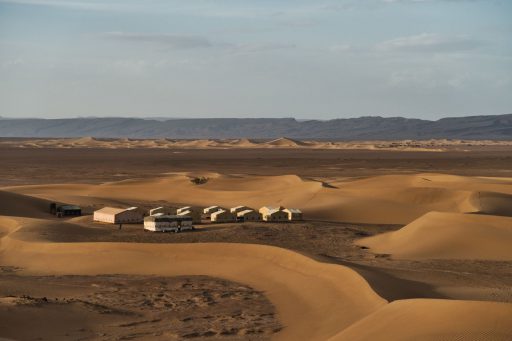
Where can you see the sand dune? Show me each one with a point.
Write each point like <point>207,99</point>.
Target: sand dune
<point>313,300</point>
<point>422,319</point>
<point>88,140</point>
<point>448,236</point>
<point>390,199</point>
<point>283,142</point>
<point>13,204</point>
<point>492,203</point>
<point>242,143</point>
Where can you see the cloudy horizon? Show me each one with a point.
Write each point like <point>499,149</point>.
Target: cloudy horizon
<point>304,59</point>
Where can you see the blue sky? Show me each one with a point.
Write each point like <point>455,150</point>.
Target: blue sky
<point>247,58</point>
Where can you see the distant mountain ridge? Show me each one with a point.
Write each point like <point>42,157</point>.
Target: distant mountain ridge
<point>498,127</point>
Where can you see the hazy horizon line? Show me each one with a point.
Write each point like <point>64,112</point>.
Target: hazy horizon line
<point>156,118</point>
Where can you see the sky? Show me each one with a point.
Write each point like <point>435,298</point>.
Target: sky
<point>320,59</point>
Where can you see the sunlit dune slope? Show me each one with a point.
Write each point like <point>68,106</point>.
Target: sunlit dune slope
<point>437,145</point>
<point>390,199</point>
<point>449,236</point>
<point>314,300</point>
<point>429,319</point>
<point>286,143</point>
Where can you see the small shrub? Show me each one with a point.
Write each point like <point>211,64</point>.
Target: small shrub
<point>199,180</point>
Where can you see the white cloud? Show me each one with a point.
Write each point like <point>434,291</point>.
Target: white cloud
<point>175,41</point>
<point>340,48</point>
<point>12,63</point>
<point>394,1</point>
<point>262,47</point>
<point>426,1</point>
<point>186,42</point>
<point>78,5</point>
<point>428,42</point>
<point>428,79</point>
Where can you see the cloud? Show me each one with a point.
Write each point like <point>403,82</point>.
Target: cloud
<point>187,42</point>
<point>77,5</point>
<point>262,47</point>
<point>427,42</point>
<point>396,1</point>
<point>428,78</point>
<point>174,41</point>
<point>340,48</point>
<point>12,63</point>
<point>422,1</point>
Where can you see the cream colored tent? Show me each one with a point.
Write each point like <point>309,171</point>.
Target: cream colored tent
<point>293,214</point>
<point>183,209</point>
<point>162,210</point>
<point>223,216</point>
<point>118,215</point>
<point>239,209</point>
<point>192,213</point>
<point>249,215</point>
<point>273,214</point>
<point>211,209</point>
<point>208,211</point>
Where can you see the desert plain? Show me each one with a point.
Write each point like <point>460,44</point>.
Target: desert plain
<point>401,241</point>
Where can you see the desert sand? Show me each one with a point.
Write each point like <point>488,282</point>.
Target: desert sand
<point>390,199</point>
<point>22,166</point>
<point>131,307</point>
<point>449,236</point>
<point>452,222</point>
<point>432,145</point>
<point>301,288</point>
<point>433,320</point>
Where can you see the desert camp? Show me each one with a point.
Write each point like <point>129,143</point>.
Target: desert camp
<point>163,219</point>
<point>330,170</point>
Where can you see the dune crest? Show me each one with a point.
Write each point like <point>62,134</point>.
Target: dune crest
<point>285,142</point>
<point>84,140</point>
<point>390,199</point>
<point>242,143</point>
<point>447,236</point>
<point>282,142</point>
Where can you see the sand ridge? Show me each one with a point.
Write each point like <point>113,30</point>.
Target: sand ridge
<point>389,199</point>
<point>433,145</point>
<point>444,235</point>
<point>302,289</point>
<point>314,301</point>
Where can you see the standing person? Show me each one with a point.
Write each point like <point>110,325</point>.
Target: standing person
<point>120,225</point>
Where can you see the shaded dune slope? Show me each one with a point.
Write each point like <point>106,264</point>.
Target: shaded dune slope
<point>492,203</point>
<point>14,204</point>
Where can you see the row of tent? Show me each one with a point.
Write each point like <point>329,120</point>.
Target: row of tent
<point>213,213</point>
<point>244,213</point>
